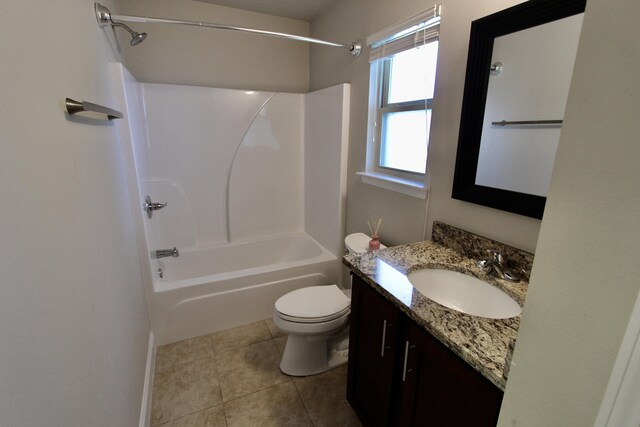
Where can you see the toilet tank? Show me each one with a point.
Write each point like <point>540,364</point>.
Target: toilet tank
<point>358,243</point>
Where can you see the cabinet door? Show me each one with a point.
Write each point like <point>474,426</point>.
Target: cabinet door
<point>374,328</point>
<point>439,388</point>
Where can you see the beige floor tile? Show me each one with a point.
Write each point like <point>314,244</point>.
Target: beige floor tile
<point>275,331</point>
<point>281,342</point>
<point>239,337</point>
<point>325,398</point>
<point>185,389</point>
<point>276,406</point>
<point>249,369</point>
<point>183,352</point>
<point>212,417</point>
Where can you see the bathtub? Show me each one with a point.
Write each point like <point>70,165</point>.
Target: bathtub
<point>208,290</point>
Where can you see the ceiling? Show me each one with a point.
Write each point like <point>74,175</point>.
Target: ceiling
<point>305,10</point>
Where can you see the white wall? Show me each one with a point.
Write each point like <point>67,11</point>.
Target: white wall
<point>404,216</point>
<point>205,57</point>
<point>74,333</point>
<point>326,129</point>
<point>228,163</point>
<point>266,179</point>
<point>585,276</point>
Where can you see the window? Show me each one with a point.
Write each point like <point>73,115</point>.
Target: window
<point>405,108</point>
<point>403,67</point>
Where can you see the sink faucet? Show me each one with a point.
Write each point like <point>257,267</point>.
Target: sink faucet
<point>496,264</point>
<point>162,253</point>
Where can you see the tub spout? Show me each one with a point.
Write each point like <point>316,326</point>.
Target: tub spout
<point>163,253</point>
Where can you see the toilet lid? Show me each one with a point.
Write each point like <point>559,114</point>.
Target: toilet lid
<point>313,302</point>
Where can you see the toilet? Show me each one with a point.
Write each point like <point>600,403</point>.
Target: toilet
<point>316,318</point>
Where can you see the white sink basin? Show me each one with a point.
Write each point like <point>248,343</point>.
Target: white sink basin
<point>464,293</point>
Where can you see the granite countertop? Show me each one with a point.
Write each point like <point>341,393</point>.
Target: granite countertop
<point>485,344</point>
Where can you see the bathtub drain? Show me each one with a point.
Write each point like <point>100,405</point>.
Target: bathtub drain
<point>160,273</point>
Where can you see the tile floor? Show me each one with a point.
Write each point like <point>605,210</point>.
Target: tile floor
<point>231,378</point>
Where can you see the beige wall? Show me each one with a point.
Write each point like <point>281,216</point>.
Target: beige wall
<point>205,57</point>
<point>74,327</point>
<point>585,277</point>
<point>404,216</point>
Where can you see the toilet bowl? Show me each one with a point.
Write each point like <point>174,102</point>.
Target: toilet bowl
<point>316,318</point>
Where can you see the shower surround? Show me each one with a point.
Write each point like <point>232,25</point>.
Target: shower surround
<point>254,183</point>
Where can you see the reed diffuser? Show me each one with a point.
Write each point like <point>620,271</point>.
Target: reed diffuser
<point>374,243</point>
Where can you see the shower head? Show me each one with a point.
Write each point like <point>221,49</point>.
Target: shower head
<point>103,15</point>
<point>136,37</point>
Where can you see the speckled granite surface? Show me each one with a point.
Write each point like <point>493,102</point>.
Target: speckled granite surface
<point>474,246</point>
<point>486,344</point>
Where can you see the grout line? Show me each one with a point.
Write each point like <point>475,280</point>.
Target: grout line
<point>202,409</point>
<point>304,405</point>
<point>289,379</point>
<point>182,363</point>
<point>271,333</point>
<point>240,348</point>
<point>219,384</point>
<point>188,415</point>
<point>214,357</point>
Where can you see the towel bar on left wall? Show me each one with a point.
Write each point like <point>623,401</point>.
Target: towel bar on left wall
<point>74,107</point>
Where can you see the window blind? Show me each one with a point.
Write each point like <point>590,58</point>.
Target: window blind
<point>419,29</point>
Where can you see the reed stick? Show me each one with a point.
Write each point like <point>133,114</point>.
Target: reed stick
<point>378,226</point>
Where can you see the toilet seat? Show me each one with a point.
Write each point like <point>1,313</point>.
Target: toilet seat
<point>295,319</point>
<point>313,304</point>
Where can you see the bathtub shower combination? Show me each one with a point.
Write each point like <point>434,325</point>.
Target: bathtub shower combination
<point>254,185</point>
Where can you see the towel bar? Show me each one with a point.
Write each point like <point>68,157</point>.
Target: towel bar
<point>74,107</point>
<point>527,122</point>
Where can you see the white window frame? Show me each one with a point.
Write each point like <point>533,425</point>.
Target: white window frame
<point>413,184</point>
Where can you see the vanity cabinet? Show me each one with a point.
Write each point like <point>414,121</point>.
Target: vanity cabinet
<point>400,375</point>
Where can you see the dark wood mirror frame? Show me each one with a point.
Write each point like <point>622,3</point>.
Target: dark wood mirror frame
<point>483,32</point>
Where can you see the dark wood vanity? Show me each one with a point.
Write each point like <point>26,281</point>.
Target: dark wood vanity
<point>400,375</point>
<point>415,362</point>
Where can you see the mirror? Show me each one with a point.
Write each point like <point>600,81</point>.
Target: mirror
<point>511,115</point>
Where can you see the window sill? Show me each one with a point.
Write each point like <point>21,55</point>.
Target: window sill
<point>393,183</point>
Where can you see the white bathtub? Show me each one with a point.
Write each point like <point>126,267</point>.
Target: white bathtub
<point>218,288</point>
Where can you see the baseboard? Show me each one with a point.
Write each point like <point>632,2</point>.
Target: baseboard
<point>145,407</point>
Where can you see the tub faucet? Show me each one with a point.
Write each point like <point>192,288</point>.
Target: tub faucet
<point>496,264</point>
<point>163,253</point>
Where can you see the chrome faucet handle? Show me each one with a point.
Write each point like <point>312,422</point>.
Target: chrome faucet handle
<point>496,256</point>
<point>149,206</point>
<point>485,265</point>
<point>498,265</point>
<point>511,276</point>
<point>163,253</point>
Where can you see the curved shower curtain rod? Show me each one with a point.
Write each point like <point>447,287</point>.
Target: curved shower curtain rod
<point>104,17</point>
